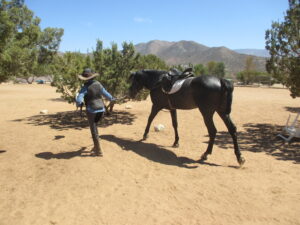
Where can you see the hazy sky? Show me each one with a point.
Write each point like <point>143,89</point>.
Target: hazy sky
<point>234,24</point>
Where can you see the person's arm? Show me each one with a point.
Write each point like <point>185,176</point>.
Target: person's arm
<point>106,94</point>
<point>80,96</point>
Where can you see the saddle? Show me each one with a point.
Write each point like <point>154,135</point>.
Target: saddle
<point>175,78</point>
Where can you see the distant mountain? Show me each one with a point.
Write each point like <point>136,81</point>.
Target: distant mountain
<point>184,52</point>
<point>255,52</point>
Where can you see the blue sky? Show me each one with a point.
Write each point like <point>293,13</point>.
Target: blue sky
<point>235,24</point>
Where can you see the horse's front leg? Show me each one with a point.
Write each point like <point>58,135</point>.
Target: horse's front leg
<point>175,125</point>
<point>154,111</point>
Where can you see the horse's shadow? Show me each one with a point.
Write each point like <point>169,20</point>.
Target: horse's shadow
<point>154,152</point>
<point>263,138</point>
<point>65,155</point>
<point>293,109</point>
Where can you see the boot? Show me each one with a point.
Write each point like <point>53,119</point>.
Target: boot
<point>97,149</point>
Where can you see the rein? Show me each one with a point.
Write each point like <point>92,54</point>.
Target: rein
<point>108,108</point>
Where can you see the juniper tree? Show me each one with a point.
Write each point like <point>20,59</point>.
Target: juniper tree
<point>283,44</point>
<point>25,49</point>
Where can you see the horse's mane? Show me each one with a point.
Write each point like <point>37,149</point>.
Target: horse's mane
<point>154,71</point>
<point>154,77</point>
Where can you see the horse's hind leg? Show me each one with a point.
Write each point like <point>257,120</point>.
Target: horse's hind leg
<point>154,111</point>
<point>232,130</point>
<point>208,120</point>
<point>175,125</point>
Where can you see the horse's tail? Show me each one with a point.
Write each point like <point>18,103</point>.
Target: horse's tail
<point>227,90</point>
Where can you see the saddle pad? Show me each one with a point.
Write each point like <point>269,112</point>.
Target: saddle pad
<point>176,86</point>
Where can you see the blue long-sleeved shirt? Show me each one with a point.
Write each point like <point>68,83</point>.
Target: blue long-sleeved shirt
<point>83,92</point>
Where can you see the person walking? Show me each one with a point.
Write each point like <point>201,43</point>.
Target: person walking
<point>91,94</point>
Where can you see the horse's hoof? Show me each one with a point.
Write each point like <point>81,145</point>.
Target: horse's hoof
<point>145,137</point>
<point>203,157</point>
<point>241,161</point>
<point>175,145</point>
<point>97,153</point>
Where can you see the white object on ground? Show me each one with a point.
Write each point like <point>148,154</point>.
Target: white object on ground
<point>159,127</point>
<point>128,107</point>
<point>292,128</point>
<point>44,111</point>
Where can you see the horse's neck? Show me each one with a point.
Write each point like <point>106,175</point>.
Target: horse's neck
<point>152,79</point>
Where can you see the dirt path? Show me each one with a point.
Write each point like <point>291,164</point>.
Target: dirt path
<point>46,178</point>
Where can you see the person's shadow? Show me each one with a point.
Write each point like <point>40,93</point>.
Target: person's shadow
<point>153,152</point>
<point>72,120</point>
<point>65,155</point>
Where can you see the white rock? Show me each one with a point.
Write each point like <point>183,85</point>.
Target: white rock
<point>159,127</point>
<point>128,107</point>
<point>44,111</point>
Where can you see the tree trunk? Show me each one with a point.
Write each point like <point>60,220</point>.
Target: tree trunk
<point>30,81</point>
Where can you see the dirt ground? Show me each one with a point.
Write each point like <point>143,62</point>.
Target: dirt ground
<point>48,177</point>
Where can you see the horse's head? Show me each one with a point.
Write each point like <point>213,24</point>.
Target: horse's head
<point>136,80</point>
<point>149,79</point>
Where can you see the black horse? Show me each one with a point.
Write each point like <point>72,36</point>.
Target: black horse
<point>208,93</point>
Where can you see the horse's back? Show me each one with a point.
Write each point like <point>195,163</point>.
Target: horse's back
<point>207,92</point>
<point>196,92</point>
<point>206,83</point>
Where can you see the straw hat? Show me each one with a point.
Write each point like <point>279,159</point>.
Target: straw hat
<point>87,74</point>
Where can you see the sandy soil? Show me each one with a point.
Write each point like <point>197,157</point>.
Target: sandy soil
<point>48,177</point>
